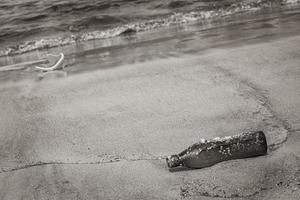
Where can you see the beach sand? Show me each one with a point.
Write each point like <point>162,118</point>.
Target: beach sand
<point>104,134</point>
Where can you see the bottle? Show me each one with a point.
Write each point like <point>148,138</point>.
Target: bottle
<point>209,152</point>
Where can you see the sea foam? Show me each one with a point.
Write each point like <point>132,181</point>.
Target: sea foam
<point>176,18</point>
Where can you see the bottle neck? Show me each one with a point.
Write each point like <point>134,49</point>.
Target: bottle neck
<point>173,161</point>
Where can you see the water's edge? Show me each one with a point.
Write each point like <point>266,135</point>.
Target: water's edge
<point>174,19</point>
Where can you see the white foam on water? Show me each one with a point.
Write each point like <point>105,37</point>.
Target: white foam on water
<point>177,18</point>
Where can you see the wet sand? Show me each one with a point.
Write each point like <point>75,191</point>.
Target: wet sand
<point>104,134</point>
<point>102,127</point>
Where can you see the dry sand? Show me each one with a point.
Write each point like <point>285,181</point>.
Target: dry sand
<point>105,134</point>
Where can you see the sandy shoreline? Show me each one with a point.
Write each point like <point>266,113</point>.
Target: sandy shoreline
<point>104,134</point>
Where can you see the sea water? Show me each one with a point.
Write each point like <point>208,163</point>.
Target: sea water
<point>28,25</point>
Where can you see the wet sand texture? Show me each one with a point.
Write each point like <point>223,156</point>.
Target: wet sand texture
<point>105,134</point>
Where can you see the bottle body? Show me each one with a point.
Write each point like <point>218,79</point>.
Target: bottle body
<point>209,152</point>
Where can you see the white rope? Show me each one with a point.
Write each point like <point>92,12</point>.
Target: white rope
<point>55,66</point>
<point>20,66</point>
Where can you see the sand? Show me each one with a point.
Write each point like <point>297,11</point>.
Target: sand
<point>104,134</point>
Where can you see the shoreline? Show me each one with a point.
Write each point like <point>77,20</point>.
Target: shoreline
<point>171,20</point>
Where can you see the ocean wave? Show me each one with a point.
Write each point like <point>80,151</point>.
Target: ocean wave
<point>64,7</point>
<point>176,18</point>
<point>291,1</point>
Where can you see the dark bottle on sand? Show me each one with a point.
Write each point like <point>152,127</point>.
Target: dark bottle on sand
<point>209,152</point>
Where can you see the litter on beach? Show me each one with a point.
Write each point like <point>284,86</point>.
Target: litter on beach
<point>57,65</point>
<point>20,66</point>
<point>209,152</point>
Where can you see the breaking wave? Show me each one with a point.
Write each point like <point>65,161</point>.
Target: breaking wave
<point>117,26</point>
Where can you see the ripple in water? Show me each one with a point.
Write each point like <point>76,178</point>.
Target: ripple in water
<point>38,24</point>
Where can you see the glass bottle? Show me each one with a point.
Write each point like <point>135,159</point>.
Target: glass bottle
<point>209,152</point>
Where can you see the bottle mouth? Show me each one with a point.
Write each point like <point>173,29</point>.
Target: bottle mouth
<point>173,161</point>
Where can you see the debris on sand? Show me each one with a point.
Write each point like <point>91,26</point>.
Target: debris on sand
<point>20,66</point>
<point>209,152</point>
<point>55,66</point>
